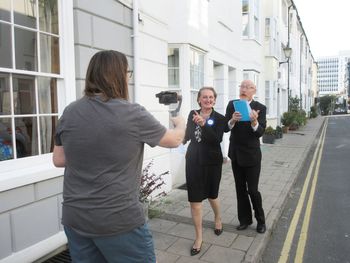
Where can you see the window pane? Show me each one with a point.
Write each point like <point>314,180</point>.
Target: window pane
<point>194,103</point>
<point>49,54</point>
<point>26,136</point>
<point>245,25</point>
<point>48,16</point>
<point>192,79</point>
<point>47,92</point>
<point>5,10</point>
<point>5,99</point>
<point>24,94</point>
<point>47,128</point>
<point>5,46</point>
<point>25,49</point>
<point>6,146</point>
<point>173,77</point>
<point>173,57</point>
<point>25,13</point>
<point>245,6</point>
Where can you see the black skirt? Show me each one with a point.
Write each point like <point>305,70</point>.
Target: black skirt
<point>202,181</point>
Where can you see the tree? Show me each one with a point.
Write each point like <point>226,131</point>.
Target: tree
<point>326,104</point>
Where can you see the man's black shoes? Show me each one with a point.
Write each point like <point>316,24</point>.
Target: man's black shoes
<point>242,226</point>
<point>261,228</point>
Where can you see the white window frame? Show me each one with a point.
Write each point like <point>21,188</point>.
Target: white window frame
<point>174,87</point>
<point>23,171</point>
<point>194,90</point>
<point>254,20</point>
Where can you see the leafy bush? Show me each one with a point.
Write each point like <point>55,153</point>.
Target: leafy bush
<point>150,182</point>
<point>300,117</point>
<point>294,104</point>
<point>278,132</point>
<point>313,112</point>
<point>294,119</point>
<point>288,118</point>
<point>269,131</point>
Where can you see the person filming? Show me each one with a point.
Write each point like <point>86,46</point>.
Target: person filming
<point>100,141</point>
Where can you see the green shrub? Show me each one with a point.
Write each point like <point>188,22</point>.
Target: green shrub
<point>288,118</point>
<point>269,131</point>
<point>313,112</point>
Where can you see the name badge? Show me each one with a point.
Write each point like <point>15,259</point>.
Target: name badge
<point>210,122</point>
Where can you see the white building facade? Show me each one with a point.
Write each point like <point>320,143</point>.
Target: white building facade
<point>331,75</point>
<point>171,45</point>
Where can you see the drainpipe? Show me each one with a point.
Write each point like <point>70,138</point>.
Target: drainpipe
<point>135,37</point>
<point>288,45</point>
<point>300,73</point>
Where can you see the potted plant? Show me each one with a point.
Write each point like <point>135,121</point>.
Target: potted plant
<point>279,132</point>
<point>269,135</point>
<point>150,182</point>
<point>285,129</point>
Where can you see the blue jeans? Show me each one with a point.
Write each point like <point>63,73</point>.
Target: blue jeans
<point>132,247</point>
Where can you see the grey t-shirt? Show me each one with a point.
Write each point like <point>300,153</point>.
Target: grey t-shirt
<point>103,143</point>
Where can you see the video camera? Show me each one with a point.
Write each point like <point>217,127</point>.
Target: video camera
<point>170,97</point>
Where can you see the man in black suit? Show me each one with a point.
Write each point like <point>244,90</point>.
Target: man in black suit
<point>245,155</point>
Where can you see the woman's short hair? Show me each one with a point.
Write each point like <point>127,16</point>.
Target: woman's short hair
<point>206,88</point>
<point>107,75</point>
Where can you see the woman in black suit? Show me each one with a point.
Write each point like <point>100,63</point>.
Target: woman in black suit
<point>205,128</point>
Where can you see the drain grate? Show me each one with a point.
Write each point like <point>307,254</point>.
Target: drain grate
<point>63,257</point>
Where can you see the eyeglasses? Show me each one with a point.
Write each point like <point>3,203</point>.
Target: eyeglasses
<point>246,87</point>
<point>130,73</point>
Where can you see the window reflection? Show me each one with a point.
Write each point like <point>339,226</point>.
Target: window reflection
<point>23,94</point>
<point>25,13</point>
<point>5,46</point>
<point>5,10</point>
<point>48,126</point>
<point>47,91</point>
<point>173,67</point>
<point>5,99</point>
<point>6,146</point>
<point>48,16</point>
<point>26,136</point>
<point>25,49</point>
<point>49,55</point>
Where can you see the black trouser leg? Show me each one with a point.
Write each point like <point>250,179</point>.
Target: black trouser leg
<point>243,203</point>
<point>252,175</point>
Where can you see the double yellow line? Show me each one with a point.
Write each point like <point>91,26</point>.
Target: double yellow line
<point>293,225</point>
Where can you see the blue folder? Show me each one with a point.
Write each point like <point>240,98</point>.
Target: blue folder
<point>242,106</point>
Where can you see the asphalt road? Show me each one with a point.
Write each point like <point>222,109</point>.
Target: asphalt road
<point>328,228</point>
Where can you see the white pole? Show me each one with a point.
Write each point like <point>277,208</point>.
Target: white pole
<point>136,49</point>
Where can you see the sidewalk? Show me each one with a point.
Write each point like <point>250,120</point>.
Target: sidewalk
<point>173,230</point>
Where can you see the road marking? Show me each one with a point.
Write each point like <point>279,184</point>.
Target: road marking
<point>291,231</point>
<point>306,222</point>
<point>340,146</point>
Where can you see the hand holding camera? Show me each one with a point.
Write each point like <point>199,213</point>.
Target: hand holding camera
<point>170,97</point>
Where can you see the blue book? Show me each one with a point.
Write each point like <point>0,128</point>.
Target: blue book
<point>242,106</point>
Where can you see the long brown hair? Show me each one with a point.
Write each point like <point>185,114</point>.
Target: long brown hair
<point>107,74</point>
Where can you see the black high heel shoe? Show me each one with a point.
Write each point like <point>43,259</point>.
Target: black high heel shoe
<point>195,251</point>
<point>218,232</point>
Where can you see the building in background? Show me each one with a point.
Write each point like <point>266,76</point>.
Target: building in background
<point>328,75</point>
<point>332,78</point>
<point>176,45</point>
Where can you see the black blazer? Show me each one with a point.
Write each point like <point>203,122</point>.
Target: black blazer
<point>244,142</point>
<point>208,150</point>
